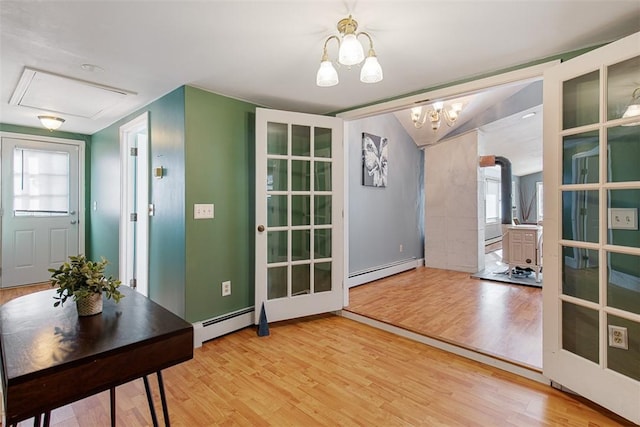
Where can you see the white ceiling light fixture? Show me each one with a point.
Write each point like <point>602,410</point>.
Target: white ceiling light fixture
<point>435,114</point>
<point>350,53</point>
<point>633,109</point>
<point>51,122</point>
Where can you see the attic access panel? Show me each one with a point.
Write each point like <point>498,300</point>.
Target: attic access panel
<point>65,95</point>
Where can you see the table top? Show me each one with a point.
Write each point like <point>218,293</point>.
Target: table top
<point>36,337</point>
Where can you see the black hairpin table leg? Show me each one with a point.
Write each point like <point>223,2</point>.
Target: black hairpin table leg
<point>112,394</point>
<point>154,419</point>
<point>163,399</point>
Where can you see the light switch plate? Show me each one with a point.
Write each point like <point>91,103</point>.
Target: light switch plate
<point>623,218</point>
<point>203,211</point>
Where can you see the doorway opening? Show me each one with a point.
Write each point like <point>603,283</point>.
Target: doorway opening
<point>494,102</point>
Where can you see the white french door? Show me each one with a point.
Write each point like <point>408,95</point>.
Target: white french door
<point>592,242</point>
<point>41,209</point>
<point>299,214</point>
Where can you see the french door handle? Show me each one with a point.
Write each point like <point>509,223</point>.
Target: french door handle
<point>261,228</point>
<point>73,221</point>
<point>72,213</point>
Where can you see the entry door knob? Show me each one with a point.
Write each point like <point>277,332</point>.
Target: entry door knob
<point>261,228</point>
<point>73,221</point>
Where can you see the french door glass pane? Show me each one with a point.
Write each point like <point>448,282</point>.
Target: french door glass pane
<point>276,282</point>
<point>276,246</point>
<point>623,151</point>
<point>580,276</point>
<point>626,362</point>
<point>300,210</point>
<point>623,217</point>
<point>322,243</point>
<point>623,282</point>
<point>580,328</point>
<point>300,140</point>
<point>580,104</point>
<point>300,175</point>
<point>322,176</point>
<point>322,277</point>
<point>322,142</point>
<point>40,182</point>
<point>300,279</point>
<point>276,175</point>
<point>580,158</point>
<point>300,165</point>
<point>322,214</point>
<point>300,245</point>
<point>622,80</point>
<point>277,138</point>
<point>276,210</point>
<point>580,216</point>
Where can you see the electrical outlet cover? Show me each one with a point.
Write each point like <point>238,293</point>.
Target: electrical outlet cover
<point>618,337</point>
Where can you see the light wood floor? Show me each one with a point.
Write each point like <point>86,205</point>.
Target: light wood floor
<point>330,371</point>
<point>498,319</point>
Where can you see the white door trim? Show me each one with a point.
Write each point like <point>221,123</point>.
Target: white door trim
<point>81,175</point>
<point>132,127</point>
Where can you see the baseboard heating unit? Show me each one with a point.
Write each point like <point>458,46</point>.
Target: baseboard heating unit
<point>221,325</point>
<point>382,271</point>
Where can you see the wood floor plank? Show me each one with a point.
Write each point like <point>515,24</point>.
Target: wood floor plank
<point>499,319</point>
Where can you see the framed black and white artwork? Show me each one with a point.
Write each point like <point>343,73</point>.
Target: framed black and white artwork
<point>374,160</point>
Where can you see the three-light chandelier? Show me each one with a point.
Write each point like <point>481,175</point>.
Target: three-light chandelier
<point>350,53</point>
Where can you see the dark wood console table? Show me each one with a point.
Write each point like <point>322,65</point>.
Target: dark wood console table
<point>51,357</point>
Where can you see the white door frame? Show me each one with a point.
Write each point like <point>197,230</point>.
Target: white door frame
<point>141,250</point>
<point>531,73</point>
<point>81,177</point>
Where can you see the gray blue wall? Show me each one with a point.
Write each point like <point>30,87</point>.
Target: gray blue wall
<point>382,219</point>
<point>527,195</point>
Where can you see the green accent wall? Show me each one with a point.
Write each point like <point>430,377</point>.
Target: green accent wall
<point>204,142</point>
<point>220,170</point>
<point>166,227</point>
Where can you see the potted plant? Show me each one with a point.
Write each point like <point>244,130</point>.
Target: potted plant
<point>85,282</point>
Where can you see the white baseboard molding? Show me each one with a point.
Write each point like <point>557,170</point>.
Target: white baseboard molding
<point>385,271</point>
<point>460,351</point>
<point>222,325</point>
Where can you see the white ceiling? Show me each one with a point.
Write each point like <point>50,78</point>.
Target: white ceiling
<point>267,52</point>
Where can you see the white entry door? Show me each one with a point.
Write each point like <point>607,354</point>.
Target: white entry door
<point>40,208</point>
<point>591,237</point>
<point>299,224</point>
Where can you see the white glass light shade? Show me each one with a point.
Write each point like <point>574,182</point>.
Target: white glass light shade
<point>416,113</point>
<point>438,106</point>
<point>327,75</point>
<point>371,71</point>
<point>51,122</point>
<point>632,110</point>
<point>351,52</point>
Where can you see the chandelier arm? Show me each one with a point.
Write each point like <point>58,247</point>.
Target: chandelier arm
<point>327,42</point>
<point>447,118</point>
<point>635,94</point>
<point>363,33</point>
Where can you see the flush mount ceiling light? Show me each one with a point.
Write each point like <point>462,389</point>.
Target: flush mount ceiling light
<point>633,109</point>
<point>350,53</point>
<point>51,122</point>
<point>435,114</point>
